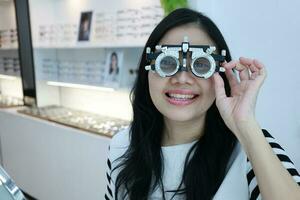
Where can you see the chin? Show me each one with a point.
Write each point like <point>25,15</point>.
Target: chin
<point>180,116</point>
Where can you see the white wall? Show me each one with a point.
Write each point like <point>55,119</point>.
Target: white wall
<point>269,31</point>
<point>8,16</point>
<point>11,88</point>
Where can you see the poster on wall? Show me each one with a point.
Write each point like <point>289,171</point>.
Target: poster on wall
<point>85,26</point>
<point>113,66</point>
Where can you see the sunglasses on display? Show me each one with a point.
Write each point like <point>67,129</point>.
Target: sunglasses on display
<point>167,59</point>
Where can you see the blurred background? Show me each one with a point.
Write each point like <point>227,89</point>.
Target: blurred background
<point>67,68</point>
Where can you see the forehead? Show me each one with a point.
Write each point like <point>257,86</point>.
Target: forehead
<point>196,36</point>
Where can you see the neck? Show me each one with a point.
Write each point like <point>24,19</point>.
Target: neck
<point>176,132</point>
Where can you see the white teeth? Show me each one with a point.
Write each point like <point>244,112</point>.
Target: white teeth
<point>182,96</point>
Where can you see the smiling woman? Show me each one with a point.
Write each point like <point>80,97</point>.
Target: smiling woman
<point>196,137</point>
<point>182,97</point>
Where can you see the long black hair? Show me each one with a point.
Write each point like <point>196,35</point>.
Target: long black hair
<point>141,166</point>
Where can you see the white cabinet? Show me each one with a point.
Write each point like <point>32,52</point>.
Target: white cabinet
<point>50,161</point>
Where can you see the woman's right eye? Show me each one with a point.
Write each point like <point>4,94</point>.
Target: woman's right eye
<point>168,64</point>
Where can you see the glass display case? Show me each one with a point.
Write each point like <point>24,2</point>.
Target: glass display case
<point>11,93</point>
<point>86,55</point>
<point>87,121</point>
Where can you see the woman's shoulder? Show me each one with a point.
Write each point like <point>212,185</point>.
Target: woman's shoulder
<point>119,144</point>
<point>121,139</point>
<point>117,147</point>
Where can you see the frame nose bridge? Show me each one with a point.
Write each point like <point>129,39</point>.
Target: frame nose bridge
<point>183,77</point>
<point>188,62</point>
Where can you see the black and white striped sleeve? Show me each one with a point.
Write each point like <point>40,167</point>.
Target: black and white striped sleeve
<point>285,160</point>
<point>109,183</point>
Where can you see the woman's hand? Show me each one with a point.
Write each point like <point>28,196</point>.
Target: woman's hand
<point>238,110</point>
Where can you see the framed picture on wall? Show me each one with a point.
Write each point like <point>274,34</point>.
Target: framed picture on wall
<point>114,61</point>
<point>85,26</point>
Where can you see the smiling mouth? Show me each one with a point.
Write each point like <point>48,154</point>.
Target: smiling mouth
<point>181,97</point>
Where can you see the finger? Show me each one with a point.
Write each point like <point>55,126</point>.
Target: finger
<point>258,67</point>
<point>234,64</point>
<point>219,86</point>
<point>258,78</point>
<point>253,64</point>
<point>246,61</point>
<point>254,75</point>
<point>258,72</point>
<point>230,65</point>
<point>261,74</point>
<point>253,68</point>
<point>232,79</point>
<point>240,67</point>
<point>243,71</point>
<point>258,64</point>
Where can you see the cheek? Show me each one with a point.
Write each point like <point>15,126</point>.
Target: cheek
<point>208,89</point>
<point>155,86</point>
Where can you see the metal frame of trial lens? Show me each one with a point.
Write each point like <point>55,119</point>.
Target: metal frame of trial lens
<point>198,51</point>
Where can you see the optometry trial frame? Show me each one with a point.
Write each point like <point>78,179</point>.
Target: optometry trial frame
<point>203,60</point>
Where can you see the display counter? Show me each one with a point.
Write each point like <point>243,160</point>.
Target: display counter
<point>52,161</point>
<point>94,123</point>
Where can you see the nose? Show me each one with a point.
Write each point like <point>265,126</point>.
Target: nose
<point>183,77</point>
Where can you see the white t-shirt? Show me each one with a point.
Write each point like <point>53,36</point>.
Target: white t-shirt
<point>235,186</point>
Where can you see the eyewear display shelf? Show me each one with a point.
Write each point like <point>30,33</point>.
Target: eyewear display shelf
<point>11,93</point>
<point>86,57</point>
<point>75,87</point>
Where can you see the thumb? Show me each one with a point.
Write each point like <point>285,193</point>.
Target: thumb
<point>219,86</point>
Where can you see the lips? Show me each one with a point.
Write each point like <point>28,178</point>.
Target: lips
<point>180,97</point>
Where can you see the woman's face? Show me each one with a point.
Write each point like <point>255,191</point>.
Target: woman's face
<point>182,97</point>
<point>85,25</point>
<point>114,61</point>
